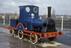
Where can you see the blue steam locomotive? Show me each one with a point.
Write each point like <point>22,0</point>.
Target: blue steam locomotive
<point>31,26</point>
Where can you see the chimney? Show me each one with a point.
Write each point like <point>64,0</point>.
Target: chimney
<point>49,11</point>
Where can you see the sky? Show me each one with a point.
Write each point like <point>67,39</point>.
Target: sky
<point>60,7</point>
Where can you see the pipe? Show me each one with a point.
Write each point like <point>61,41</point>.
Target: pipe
<point>49,11</point>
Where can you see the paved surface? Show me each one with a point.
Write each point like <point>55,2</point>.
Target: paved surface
<point>66,38</point>
<point>7,41</point>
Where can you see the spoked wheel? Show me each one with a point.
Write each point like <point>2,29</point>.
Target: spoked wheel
<point>12,32</point>
<point>20,34</point>
<point>33,38</point>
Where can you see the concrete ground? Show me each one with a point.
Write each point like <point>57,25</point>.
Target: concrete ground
<point>7,41</point>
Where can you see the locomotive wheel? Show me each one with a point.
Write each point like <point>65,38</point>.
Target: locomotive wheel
<point>20,34</point>
<point>12,32</point>
<point>33,38</point>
